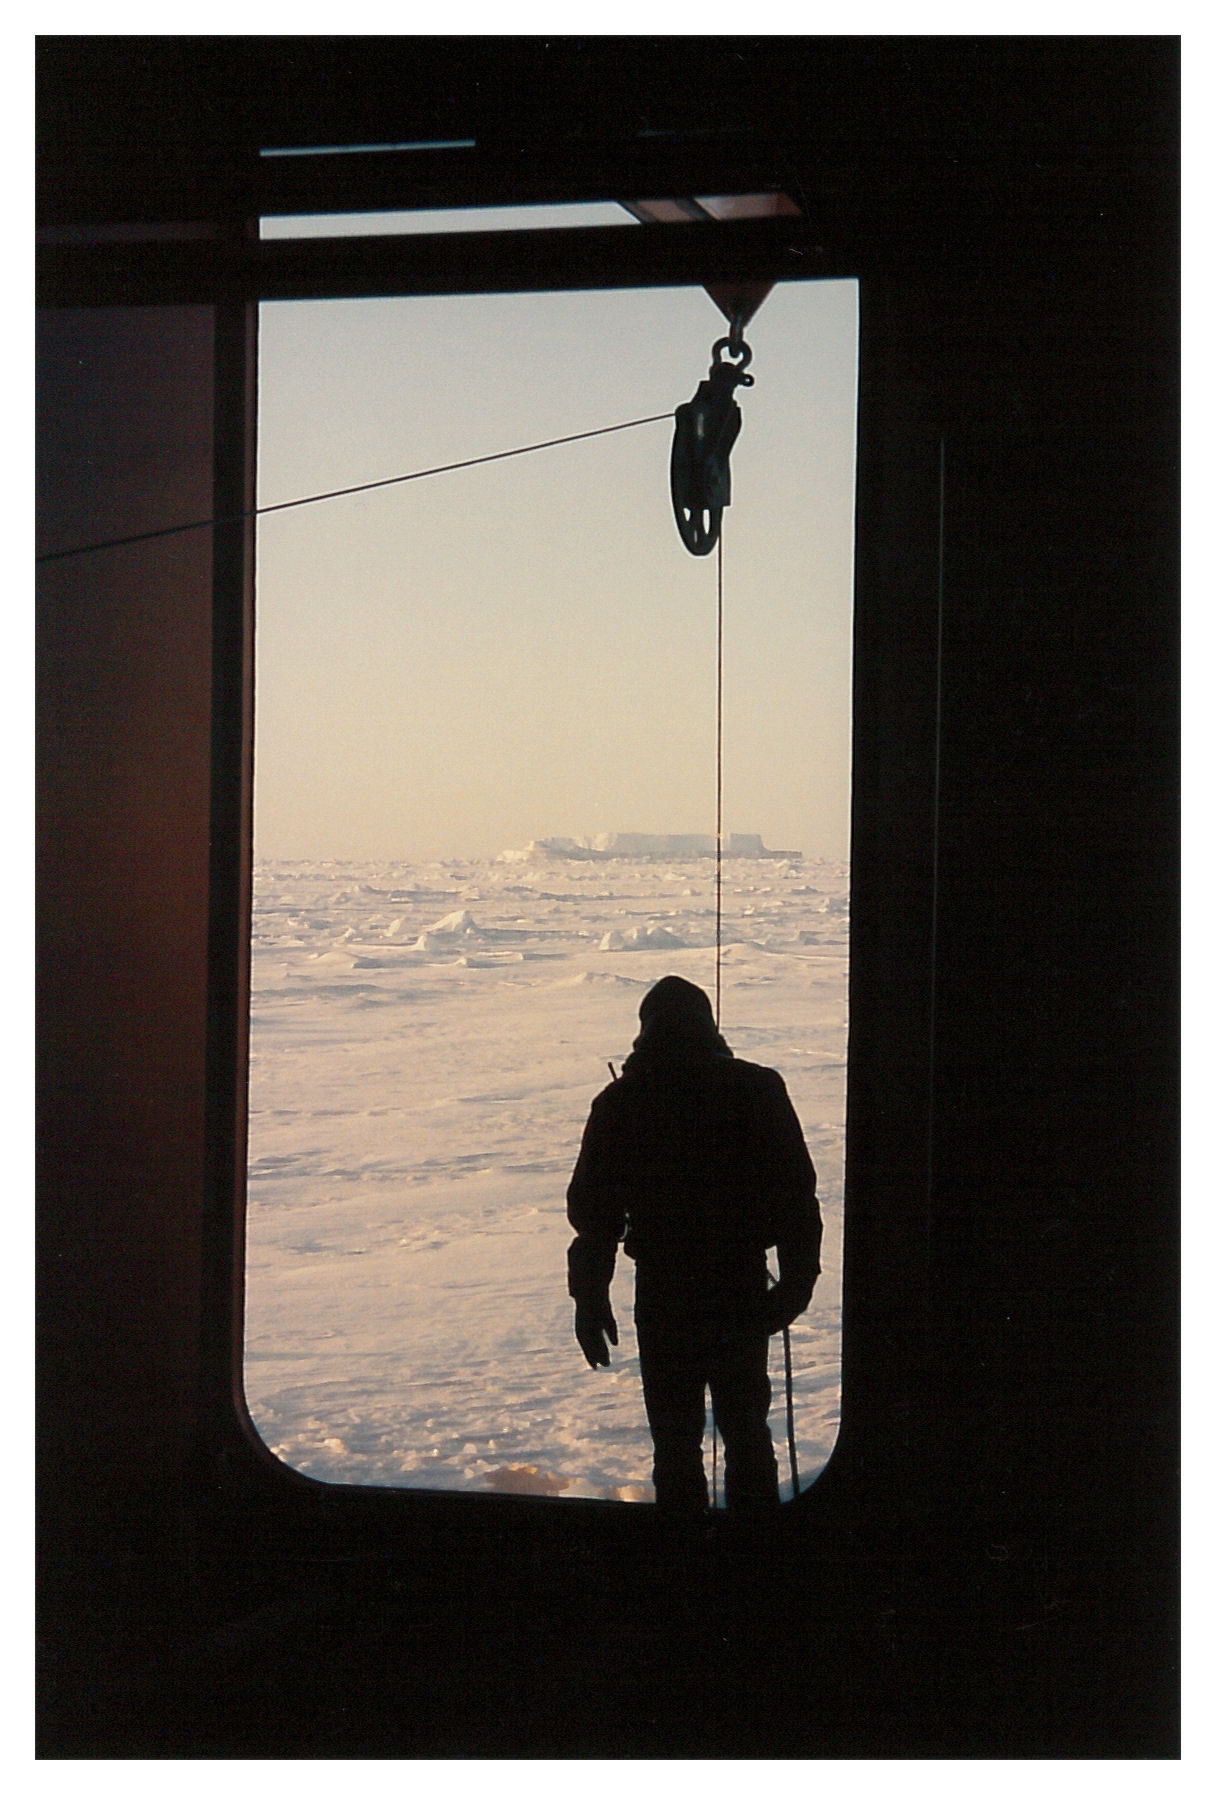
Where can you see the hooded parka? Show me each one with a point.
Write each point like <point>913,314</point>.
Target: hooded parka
<point>696,1161</point>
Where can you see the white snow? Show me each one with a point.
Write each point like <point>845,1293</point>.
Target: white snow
<point>458,923</point>
<point>651,935</point>
<point>419,1081</point>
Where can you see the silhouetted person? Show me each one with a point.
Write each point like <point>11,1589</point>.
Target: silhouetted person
<point>696,1161</point>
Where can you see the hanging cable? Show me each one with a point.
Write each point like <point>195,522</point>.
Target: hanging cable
<point>342,492</point>
<point>789,1408</point>
<point>718,867</point>
<point>789,1401</point>
<point>785,1332</point>
<point>706,430</point>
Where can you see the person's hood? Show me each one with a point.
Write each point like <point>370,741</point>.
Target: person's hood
<point>678,1025</point>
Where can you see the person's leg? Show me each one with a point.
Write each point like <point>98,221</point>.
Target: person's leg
<point>739,1384</point>
<point>673,1386</point>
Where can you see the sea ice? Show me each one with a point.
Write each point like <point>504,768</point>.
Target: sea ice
<point>459,922</point>
<point>644,936</point>
<point>415,1112</point>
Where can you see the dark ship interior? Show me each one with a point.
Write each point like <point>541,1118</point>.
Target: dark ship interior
<point>988,1566</point>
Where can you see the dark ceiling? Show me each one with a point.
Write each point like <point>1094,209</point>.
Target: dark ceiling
<point>172,126</point>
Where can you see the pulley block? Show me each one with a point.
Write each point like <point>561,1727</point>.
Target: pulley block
<point>706,429</point>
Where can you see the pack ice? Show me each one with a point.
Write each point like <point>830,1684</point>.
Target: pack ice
<point>425,1043</point>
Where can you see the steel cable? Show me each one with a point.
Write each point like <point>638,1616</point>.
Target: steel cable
<point>342,492</point>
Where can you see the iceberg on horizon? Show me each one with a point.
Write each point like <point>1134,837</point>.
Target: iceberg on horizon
<point>631,845</point>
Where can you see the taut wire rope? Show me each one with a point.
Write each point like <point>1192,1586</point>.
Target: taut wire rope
<point>785,1332</point>
<point>789,1409</point>
<point>713,1419</point>
<point>342,492</point>
<point>718,863</point>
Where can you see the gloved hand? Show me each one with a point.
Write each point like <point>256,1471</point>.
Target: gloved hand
<point>591,1322</point>
<point>783,1303</point>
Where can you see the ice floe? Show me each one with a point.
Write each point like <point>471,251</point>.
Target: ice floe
<point>418,1089</point>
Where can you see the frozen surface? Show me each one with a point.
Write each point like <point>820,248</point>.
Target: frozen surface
<point>426,1042</point>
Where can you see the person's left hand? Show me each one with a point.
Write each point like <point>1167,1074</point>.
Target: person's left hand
<point>591,1324</point>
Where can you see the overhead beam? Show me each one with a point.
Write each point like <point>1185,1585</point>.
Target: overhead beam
<point>202,271</point>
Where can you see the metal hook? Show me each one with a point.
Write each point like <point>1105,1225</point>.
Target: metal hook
<point>740,349</point>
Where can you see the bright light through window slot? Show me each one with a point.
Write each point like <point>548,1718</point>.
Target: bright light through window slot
<point>376,149</point>
<point>722,208</point>
<point>472,218</point>
<point>485,706</point>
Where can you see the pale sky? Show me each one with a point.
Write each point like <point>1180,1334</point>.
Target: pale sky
<point>465,663</point>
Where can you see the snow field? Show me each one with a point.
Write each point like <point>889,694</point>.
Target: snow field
<point>426,1042</point>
